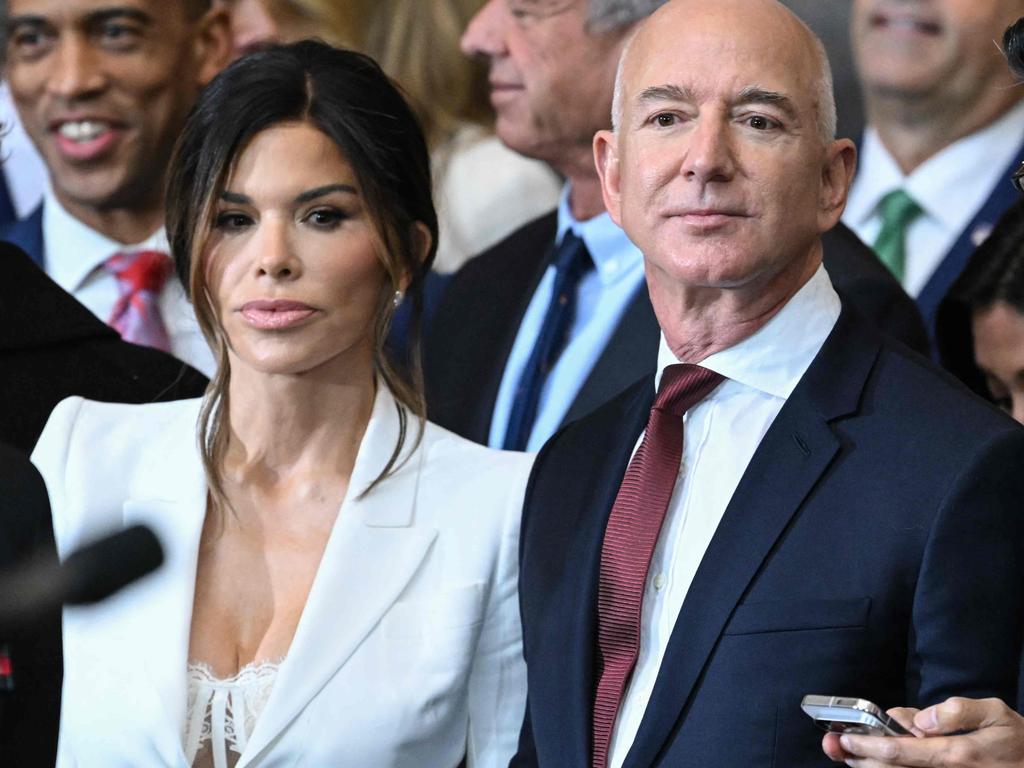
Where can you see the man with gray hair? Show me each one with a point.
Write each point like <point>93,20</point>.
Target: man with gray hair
<point>555,320</point>
<point>792,503</point>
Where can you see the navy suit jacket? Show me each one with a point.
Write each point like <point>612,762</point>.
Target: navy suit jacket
<point>27,234</point>
<point>473,325</point>
<point>873,548</point>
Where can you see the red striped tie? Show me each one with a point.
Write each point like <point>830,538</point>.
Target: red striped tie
<point>629,539</point>
<point>140,278</point>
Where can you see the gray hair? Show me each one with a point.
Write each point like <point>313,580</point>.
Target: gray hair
<point>609,15</point>
<point>825,98</point>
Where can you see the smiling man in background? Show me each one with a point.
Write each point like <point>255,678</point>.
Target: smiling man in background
<point>945,130</point>
<point>102,89</point>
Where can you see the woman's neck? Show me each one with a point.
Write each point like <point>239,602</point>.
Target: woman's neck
<point>285,426</point>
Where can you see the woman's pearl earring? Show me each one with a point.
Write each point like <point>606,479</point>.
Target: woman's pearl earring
<point>398,298</point>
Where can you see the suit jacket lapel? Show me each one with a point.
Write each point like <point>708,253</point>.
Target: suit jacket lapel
<point>175,508</point>
<point>1002,197</point>
<point>631,352</point>
<point>371,555</point>
<point>793,455</point>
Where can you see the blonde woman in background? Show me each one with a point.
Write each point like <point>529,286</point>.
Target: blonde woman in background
<point>484,191</point>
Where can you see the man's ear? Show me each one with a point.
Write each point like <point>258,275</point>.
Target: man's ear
<point>606,158</point>
<point>836,177</point>
<point>213,44</point>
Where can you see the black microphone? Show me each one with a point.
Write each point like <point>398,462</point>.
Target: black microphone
<point>88,575</point>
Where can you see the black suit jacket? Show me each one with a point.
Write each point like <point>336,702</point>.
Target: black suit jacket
<point>470,336</point>
<point>52,347</point>
<point>874,548</point>
<point>29,713</point>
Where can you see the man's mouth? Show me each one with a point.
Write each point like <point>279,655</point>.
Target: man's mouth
<point>85,139</point>
<point>82,131</point>
<point>904,22</point>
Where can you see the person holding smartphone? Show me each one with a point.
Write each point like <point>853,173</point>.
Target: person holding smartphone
<point>958,733</point>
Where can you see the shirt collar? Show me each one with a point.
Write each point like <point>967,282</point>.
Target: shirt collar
<point>775,358</point>
<point>74,250</point>
<point>613,253</point>
<point>951,185</point>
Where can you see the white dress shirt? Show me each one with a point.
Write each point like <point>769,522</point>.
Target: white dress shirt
<point>721,434</point>
<point>74,257</point>
<point>951,187</point>
<point>603,296</point>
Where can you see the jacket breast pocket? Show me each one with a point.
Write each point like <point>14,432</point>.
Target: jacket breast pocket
<point>798,615</point>
<point>441,612</point>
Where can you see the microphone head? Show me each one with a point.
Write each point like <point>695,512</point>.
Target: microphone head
<point>97,571</point>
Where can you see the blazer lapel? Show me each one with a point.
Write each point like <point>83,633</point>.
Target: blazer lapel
<point>792,457</point>
<point>564,562</point>
<point>371,555</point>
<point>938,285</point>
<point>174,508</point>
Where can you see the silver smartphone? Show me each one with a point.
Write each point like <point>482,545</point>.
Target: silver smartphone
<point>841,714</point>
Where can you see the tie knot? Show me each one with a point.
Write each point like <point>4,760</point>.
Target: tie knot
<point>572,256</point>
<point>683,386</point>
<point>141,270</point>
<point>898,209</point>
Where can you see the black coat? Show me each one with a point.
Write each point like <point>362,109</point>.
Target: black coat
<point>52,347</point>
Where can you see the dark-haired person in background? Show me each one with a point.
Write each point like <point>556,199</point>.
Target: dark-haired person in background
<point>102,87</point>
<point>964,733</point>
<point>980,324</point>
<point>340,578</point>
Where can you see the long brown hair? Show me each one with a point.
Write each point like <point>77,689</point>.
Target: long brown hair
<point>348,97</point>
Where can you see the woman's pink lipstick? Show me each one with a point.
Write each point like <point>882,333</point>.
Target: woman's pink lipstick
<point>277,314</point>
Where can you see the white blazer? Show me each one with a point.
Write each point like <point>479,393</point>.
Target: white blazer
<point>408,651</point>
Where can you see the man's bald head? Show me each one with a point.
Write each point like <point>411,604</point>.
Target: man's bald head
<point>768,17</point>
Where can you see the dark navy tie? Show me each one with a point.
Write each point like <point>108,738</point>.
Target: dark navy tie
<point>572,261</point>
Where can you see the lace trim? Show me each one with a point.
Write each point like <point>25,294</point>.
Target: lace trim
<point>222,713</point>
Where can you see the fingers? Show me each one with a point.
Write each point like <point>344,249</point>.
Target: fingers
<point>905,717</point>
<point>832,748</point>
<point>959,714</point>
<point>871,751</point>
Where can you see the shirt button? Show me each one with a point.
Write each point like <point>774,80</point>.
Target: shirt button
<point>659,581</point>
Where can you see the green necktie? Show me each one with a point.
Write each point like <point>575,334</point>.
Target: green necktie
<point>898,211</point>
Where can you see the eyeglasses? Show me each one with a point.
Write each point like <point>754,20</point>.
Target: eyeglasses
<point>1018,179</point>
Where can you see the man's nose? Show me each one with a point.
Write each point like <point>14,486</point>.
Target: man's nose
<point>484,35</point>
<point>709,156</point>
<point>76,69</point>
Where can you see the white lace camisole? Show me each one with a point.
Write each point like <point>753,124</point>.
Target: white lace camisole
<point>221,714</point>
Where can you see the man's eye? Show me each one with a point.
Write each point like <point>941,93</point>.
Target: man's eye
<point>119,34</point>
<point>30,42</point>
<point>665,119</point>
<point>761,123</point>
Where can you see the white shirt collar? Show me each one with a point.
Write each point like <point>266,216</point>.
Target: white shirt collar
<point>611,249</point>
<point>951,185</point>
<point>775,358</point>
<point>74,250</point>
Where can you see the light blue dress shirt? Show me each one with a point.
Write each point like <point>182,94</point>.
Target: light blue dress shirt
<point>604,294</point>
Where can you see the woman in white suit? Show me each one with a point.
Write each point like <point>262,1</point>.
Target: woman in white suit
<point>340,577</point>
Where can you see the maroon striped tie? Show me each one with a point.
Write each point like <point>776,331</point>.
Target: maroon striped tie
<point>629,540</point>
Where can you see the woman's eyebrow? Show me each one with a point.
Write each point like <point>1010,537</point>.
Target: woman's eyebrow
<point>327,189</point>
